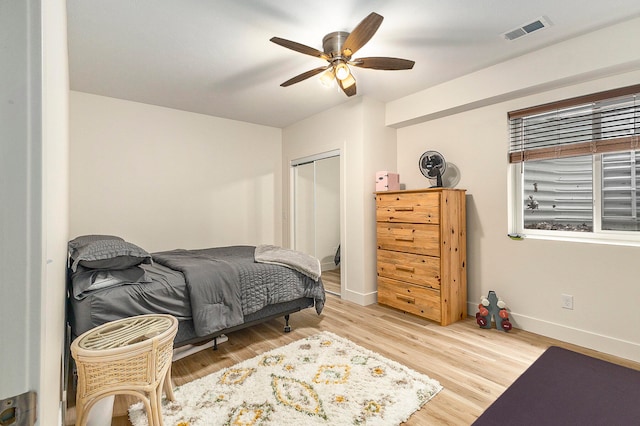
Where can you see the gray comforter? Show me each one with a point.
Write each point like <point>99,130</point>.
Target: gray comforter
<point>226,283</point>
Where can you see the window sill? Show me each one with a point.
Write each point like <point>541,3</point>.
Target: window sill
<point>614,240</point>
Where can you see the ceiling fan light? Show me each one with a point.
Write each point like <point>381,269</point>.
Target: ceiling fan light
<point>327,78</point>
<point>342,71</point>
<point>348,82</point>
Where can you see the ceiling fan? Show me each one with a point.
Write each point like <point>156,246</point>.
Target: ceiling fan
<point>339,47</point>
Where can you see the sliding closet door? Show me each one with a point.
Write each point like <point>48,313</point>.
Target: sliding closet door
<point>317,208</point>
<point>304,208</point>
<point>327,210</point>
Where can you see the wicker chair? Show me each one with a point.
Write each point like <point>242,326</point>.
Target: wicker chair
<point>128,356</point>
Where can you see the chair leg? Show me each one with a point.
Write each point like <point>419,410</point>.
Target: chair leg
<point>156,414</point>
<point>168,387</point>
<point>80,413</point>
<point>147,406</point>
<point>159,404</point>
<point>84,407</point>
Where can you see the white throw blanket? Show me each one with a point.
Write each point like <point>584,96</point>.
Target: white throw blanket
<point>301,262</point>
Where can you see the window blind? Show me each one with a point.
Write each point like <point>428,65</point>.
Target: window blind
<point>621,191</point>
<point>602,122</point>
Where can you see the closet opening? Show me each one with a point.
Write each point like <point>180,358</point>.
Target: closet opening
<point>316,214</point>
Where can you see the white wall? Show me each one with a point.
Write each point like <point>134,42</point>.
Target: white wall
<point>357,129</point>
<point>33,201</point>
<point>165,179</point>
<point>529,275</point>
<point>55,140</point>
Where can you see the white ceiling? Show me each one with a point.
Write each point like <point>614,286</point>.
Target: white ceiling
<point>214,56</point>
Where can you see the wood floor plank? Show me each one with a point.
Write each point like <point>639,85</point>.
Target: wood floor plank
<point>331,281</point>
<point>474,365</point>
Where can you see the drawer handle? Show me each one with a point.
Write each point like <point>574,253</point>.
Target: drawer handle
<point>407,299</point>
<point>405,268</point>
<point>409,239</point>
<point>403,209</point>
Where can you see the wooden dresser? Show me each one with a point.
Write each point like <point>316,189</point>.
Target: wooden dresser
<point>422,252</point>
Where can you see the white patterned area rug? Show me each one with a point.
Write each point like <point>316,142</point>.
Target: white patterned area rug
<point>320,380</point>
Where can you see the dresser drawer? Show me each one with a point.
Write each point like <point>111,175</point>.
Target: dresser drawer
<point>412,268</point>
<point>421,301</point>
<point>409,208</point>
<point>415,238</point>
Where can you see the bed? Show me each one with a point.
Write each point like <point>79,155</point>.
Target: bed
<point>211,291</point>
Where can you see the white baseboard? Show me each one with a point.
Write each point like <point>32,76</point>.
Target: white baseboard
<point>360,298</point>
<point>576,336</point>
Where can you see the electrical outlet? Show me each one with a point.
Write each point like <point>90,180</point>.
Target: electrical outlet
<point>567,301</point>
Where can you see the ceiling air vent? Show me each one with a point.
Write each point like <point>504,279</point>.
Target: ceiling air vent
<point>528,28</point>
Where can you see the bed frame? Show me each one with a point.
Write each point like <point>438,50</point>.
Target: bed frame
<point>187,336</point>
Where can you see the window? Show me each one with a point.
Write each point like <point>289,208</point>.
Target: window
<point>558,194</point>
<point>576,167</point>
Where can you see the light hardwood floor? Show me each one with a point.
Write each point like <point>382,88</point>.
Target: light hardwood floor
<point>331,281</point>
<point>474,365</point>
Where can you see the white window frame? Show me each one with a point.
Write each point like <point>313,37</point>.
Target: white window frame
<point>597,236</point>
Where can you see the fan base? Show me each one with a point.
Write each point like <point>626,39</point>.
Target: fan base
<point>332,43</point>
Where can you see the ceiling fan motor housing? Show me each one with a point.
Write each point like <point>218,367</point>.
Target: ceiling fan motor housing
<point>332,43</point>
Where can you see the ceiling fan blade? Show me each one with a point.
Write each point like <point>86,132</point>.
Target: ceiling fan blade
<point>350,90</point>
<point>361,34</point>
<point>304,76</point>
<point>299,47</point>
<point>383,63</point>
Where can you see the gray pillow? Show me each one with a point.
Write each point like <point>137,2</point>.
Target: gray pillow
<point>83,240</point>
<point>85,280</point>
<point>112,253</point>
